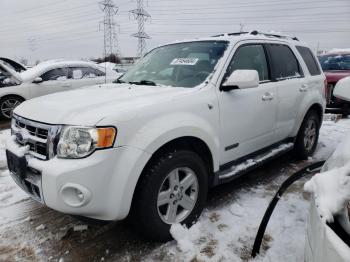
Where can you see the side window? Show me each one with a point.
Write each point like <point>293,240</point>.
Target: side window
<point>283,61</point>
<point>55,74</point>
<point>309,60</point>
<point>89,72</point>
<point>98,72</point>
<point>250,57</point>
<point>76,73</point>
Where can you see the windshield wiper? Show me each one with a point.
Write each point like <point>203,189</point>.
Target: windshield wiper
<point>143,82</point>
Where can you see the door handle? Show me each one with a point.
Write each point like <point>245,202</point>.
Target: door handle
<point>267,96</point>
<point>303,88</point>
<point>66,85</point>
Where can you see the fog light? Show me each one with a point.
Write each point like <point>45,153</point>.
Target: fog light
<point>75,195</point>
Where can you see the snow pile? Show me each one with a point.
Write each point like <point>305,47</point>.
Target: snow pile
<point>331,188</point>
<point>10,193</point>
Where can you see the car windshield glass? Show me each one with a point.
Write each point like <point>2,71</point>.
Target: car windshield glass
<point>335,62</point>
<point>179,65</point>
<point>6,79</point>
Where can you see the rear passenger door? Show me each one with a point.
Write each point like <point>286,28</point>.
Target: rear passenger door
<point>84,76</point>
<point>54,80</point>
<point>287,73</point>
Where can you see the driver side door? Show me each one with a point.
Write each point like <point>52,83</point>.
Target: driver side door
<point>247,116</point>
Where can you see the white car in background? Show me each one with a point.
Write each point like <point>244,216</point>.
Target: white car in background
<point>46,78</point>
<point>328,232</point>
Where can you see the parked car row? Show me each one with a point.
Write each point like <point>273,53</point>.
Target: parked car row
<point>18,84</point>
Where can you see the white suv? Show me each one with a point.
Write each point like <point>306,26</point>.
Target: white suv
<point>190,115</point>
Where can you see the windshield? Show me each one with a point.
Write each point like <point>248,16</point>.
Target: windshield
<point>335,62</point>
<point>178,65</point>
<point>6,78</point>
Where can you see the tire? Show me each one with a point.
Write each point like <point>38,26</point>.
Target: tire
<point>307,138</point>
<point>8,104</point>
<point>149,212</point>
<point>345,110</point>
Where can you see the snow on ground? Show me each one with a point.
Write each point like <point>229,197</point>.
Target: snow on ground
<point>225,231</point>
<point>10,193</point>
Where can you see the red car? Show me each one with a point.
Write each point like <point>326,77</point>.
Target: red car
<point>336,65</point>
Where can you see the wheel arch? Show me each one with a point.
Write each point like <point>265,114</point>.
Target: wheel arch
<point>12,95</point>
<point>317,107</point>
<point>191,143</point>
<point>4,97</point>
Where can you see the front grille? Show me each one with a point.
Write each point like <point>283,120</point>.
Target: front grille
<point>38,136</point>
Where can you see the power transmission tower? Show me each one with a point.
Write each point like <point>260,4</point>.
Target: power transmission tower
<point>141,15</point>
<point>111,45</point>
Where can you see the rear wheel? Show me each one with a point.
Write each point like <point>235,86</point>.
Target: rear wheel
<point>8,104</point>
<point>172,190</point>
<point>307,138</point>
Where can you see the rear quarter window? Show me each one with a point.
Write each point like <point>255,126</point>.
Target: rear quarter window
<point>309,60</point>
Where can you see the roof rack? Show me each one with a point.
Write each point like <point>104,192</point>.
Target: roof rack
<point>256,32</point>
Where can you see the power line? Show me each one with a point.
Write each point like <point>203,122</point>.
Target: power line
<point>110,43</point>
<point>141,15</point>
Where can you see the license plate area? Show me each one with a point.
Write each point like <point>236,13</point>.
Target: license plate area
<point>16,165</point>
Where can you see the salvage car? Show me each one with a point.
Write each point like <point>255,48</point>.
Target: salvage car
<point>188,116</point>
<point>46,78</point>
<point>328,233</point>
<point>336,65</point>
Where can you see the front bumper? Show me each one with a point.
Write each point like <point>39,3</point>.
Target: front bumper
<point>100,186</point>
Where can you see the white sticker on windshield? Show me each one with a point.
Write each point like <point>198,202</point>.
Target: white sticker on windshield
<point>184,61</point>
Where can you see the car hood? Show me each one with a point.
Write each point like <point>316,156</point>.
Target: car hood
<point>335,76</point>
<point>90,105</point>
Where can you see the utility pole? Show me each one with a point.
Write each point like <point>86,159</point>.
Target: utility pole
<point>110,44</point>
<point>141,15</point>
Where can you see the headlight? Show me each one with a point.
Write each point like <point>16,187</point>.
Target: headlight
<point>79,142</point>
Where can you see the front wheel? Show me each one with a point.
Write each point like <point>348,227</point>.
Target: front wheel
<point>307,138</point>
<point>172,190</point>
<point>7,105</point>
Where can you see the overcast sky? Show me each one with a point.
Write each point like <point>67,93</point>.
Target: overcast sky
<point>47,29</point>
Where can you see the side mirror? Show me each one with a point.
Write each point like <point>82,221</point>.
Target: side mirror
<point>37,80</point>
<point>241,79</point>
<point>342,89</point>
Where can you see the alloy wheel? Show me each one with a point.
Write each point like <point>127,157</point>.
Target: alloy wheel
<point>310,134</point>
<point>8,106</point>
<point>178,195</point>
